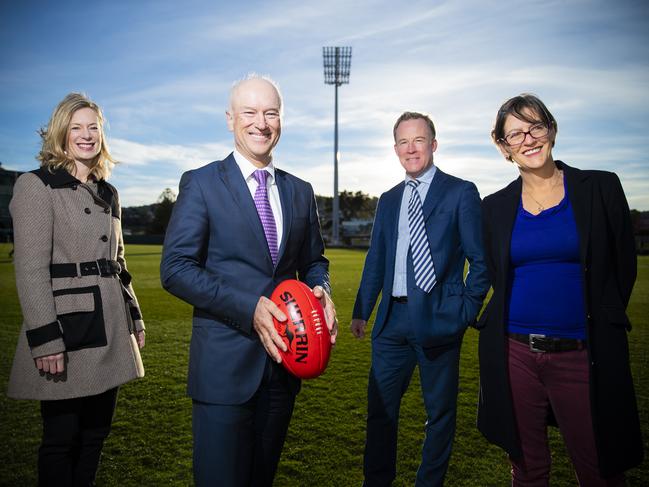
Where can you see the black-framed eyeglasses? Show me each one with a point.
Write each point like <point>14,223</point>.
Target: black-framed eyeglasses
<point>517,137</point>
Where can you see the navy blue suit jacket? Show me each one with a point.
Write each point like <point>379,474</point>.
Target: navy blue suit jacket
<point>216,258</point>
<point>453,225</point>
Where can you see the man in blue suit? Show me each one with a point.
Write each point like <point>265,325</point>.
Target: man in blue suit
<point>424,230</point>
<point>239,227</point>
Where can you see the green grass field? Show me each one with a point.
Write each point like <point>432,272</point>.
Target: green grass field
<point>150,444</point>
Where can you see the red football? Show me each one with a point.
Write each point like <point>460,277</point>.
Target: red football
<point>305,330</point>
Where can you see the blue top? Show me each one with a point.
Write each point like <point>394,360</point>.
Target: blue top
<point>546,292</point>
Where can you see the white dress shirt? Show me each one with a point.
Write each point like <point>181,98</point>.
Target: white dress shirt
<point>247,169</point>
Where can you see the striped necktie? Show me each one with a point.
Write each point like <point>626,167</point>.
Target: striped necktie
<point>266,212</point>
<point>422,259</point>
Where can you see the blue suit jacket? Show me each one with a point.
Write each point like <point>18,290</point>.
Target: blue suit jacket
<point>453,225</point>
<point>216,258</point>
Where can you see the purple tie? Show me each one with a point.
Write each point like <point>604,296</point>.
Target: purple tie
<point>266,213</point>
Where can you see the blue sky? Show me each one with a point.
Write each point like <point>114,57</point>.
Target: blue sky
<point>162,70</point>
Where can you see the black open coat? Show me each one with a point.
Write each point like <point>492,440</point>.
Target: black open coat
<point>608,258</point>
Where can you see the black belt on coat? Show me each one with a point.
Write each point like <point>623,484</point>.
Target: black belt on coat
<point>542,343</point>
<point>100,267</point>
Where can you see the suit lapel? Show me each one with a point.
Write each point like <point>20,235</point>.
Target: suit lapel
<point>504,218</point>
<point>580,195</point>
<point>232,178</point>
<point>435,193</point>
<point>285,189</point>
<point>392,218</point>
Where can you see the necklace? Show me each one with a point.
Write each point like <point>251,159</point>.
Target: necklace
<point>540,206</point>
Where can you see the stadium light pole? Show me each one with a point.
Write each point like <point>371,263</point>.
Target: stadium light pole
<point>337,64</point>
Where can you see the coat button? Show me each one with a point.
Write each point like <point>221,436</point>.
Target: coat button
<point>106,210</point>
<point>87,210</point>
<point>74,187</point>
<point>104,238</point>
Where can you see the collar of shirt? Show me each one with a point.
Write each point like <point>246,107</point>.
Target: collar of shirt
<point>426,177</point>
<point>247,167</point>
<point>400,280</point>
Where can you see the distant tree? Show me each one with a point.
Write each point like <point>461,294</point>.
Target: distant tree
<point>162,212</point>
<point>324,204</point>
<point>352,206</point>
<point>136,220</point>
<point>357,205</point>
<point>640,221</point>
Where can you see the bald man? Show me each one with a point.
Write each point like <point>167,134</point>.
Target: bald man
<point>239,227</point>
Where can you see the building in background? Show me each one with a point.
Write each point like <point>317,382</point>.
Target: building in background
<point>146,224</point>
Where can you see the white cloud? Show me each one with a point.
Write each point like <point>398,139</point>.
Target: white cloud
<point>151,155</point>
<point>165,87</point>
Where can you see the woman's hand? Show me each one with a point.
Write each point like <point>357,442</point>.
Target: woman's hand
<point>139,336</point>
<point>51,364</point>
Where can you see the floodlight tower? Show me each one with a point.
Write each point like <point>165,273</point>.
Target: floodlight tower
<point>337,63</point>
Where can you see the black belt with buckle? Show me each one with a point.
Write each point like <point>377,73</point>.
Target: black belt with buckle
<point>100,267</point>
<point>399,299</point>
<point>542,343</point>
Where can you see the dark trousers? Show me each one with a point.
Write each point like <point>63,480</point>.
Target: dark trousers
<point>557,380</point>
<point>395,353</point>
<point>74,431</point>
<point>240,445</point>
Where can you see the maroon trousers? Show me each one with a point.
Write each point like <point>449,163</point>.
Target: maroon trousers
<point>557,380</point>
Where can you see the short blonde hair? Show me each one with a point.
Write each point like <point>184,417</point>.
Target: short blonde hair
<point>53,151</point>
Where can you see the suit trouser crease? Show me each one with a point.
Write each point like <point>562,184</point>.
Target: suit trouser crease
<point>395,353</point>
<point>240,445</point>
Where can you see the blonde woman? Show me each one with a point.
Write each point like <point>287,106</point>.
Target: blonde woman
<point>82,326</point>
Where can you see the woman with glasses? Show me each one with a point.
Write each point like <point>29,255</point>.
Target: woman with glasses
<point>82,326</point>
<point>553,341</point>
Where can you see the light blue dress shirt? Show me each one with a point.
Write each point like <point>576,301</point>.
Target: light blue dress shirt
<point>400,283</point>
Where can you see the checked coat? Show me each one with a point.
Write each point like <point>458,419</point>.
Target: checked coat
<point>59,220</point>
